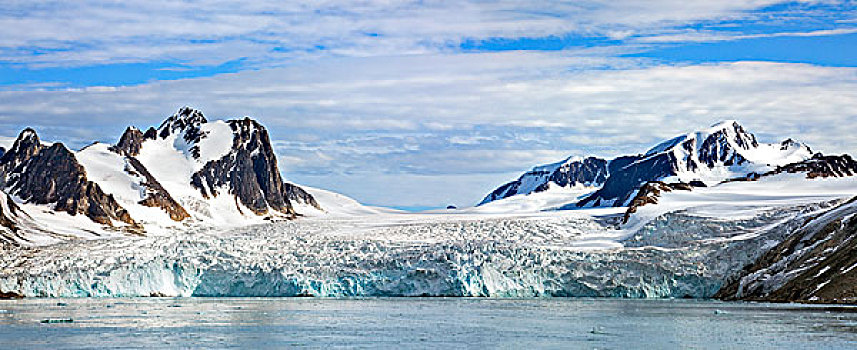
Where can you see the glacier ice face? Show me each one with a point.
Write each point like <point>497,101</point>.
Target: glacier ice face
<point>554,254</point>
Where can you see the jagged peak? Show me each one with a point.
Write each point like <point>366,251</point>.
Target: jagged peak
<point>28,134</point>
<point>185,119</point>
<point>26,139</point>
<point>60,147</point>
<point>131,130</point>
<point>727,128</point>
<point>570,160</point>
<point>130,142</point>
<point>151,133</point>
<point>723,124</point>
<point>245,124</point>
<point>790,143</point>
<point>730,130</point>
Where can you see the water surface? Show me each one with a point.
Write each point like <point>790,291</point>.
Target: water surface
<point>420,323</point>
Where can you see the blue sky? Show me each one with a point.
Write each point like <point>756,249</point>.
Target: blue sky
<point>421,104</point>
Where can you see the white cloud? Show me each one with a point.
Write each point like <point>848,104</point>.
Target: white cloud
<point>712,36</point>
<point>440,117</point>
<point>268,32</point>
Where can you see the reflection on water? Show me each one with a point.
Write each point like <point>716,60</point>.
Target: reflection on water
<point>445,323</point>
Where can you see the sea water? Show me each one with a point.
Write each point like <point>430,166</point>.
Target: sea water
<point>257,323</point>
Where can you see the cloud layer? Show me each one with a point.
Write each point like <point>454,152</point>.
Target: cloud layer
<point>425,103</point>
<point>424,123</point>
<point>265,33</point>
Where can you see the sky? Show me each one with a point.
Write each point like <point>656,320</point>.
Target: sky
<point>424,104</point>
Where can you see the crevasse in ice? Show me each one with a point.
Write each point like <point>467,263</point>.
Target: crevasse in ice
<point>679,254</point>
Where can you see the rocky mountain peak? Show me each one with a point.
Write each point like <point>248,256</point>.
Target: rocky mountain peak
<point>573,171</point>
<point>130,142</point>
<point>26,146</point>
<point>731,132</point>
<point>710,156</point>
<point>27,143</point>
<point>249,171</point>
<point>54,176</point>
<point>151,134</point>
<point>187,121</point>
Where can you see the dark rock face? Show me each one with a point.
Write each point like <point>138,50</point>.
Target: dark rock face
<point>250,173</point>
<point>296,194</point>
<point>627,174</point>
<point>26,146</point>
<point>151,134</point>
<point>187,121</point>
<point>505,191</point>
<point>818,166</point>
<point>721,147</point>
<point>53,175</point>
<point>130,143</point>
<point>649,194</point>
<point>41,174</point>
<point>156,195</point>
<point>822,166</point>
<point>592,171</point>
<point>716,148</point>
<point>129,146</point>
<point>817,263</point>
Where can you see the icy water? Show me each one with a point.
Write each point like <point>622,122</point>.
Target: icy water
<point>255,323</point>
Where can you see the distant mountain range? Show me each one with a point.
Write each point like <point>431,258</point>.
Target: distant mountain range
<point>187,172</point>
<point>724,152</point>
<point>713,213</point>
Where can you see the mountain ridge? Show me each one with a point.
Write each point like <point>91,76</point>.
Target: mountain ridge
<point>707,157</point>
<point>186,173</point>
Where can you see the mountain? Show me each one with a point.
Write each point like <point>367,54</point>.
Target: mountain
<point>819,166</point>
<point>711,214</point>
<point>725,150</point>
<point>707,157</point>
<point>51,175</point>
<point>572,172</point>
<point>816,263</point>
<point>188,172</point>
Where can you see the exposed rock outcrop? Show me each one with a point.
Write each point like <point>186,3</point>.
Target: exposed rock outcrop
<point>652,191</point>
<point>156,195</point>
<point>52,175</point>
<point>724,148</point>
<point>9,226</point>
<point>186,121</point>
<point>184,155</point>
<point>818,166</point>
<point>591,171</point>
<point>130,143</point>
<point>822,166</point>
<point>626,175</point>
<point>817,263</point>
<point>296,194</point>
<point>249,171</point>
<point>26,146</point>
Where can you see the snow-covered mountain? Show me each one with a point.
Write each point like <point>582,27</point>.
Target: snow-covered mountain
<point>707,157</point>
<point>571,173</point>
<point>703,158</point>
<point>186,173</point>
<point>712,214</point>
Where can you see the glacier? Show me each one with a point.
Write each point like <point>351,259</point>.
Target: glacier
<point>681,253</point>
